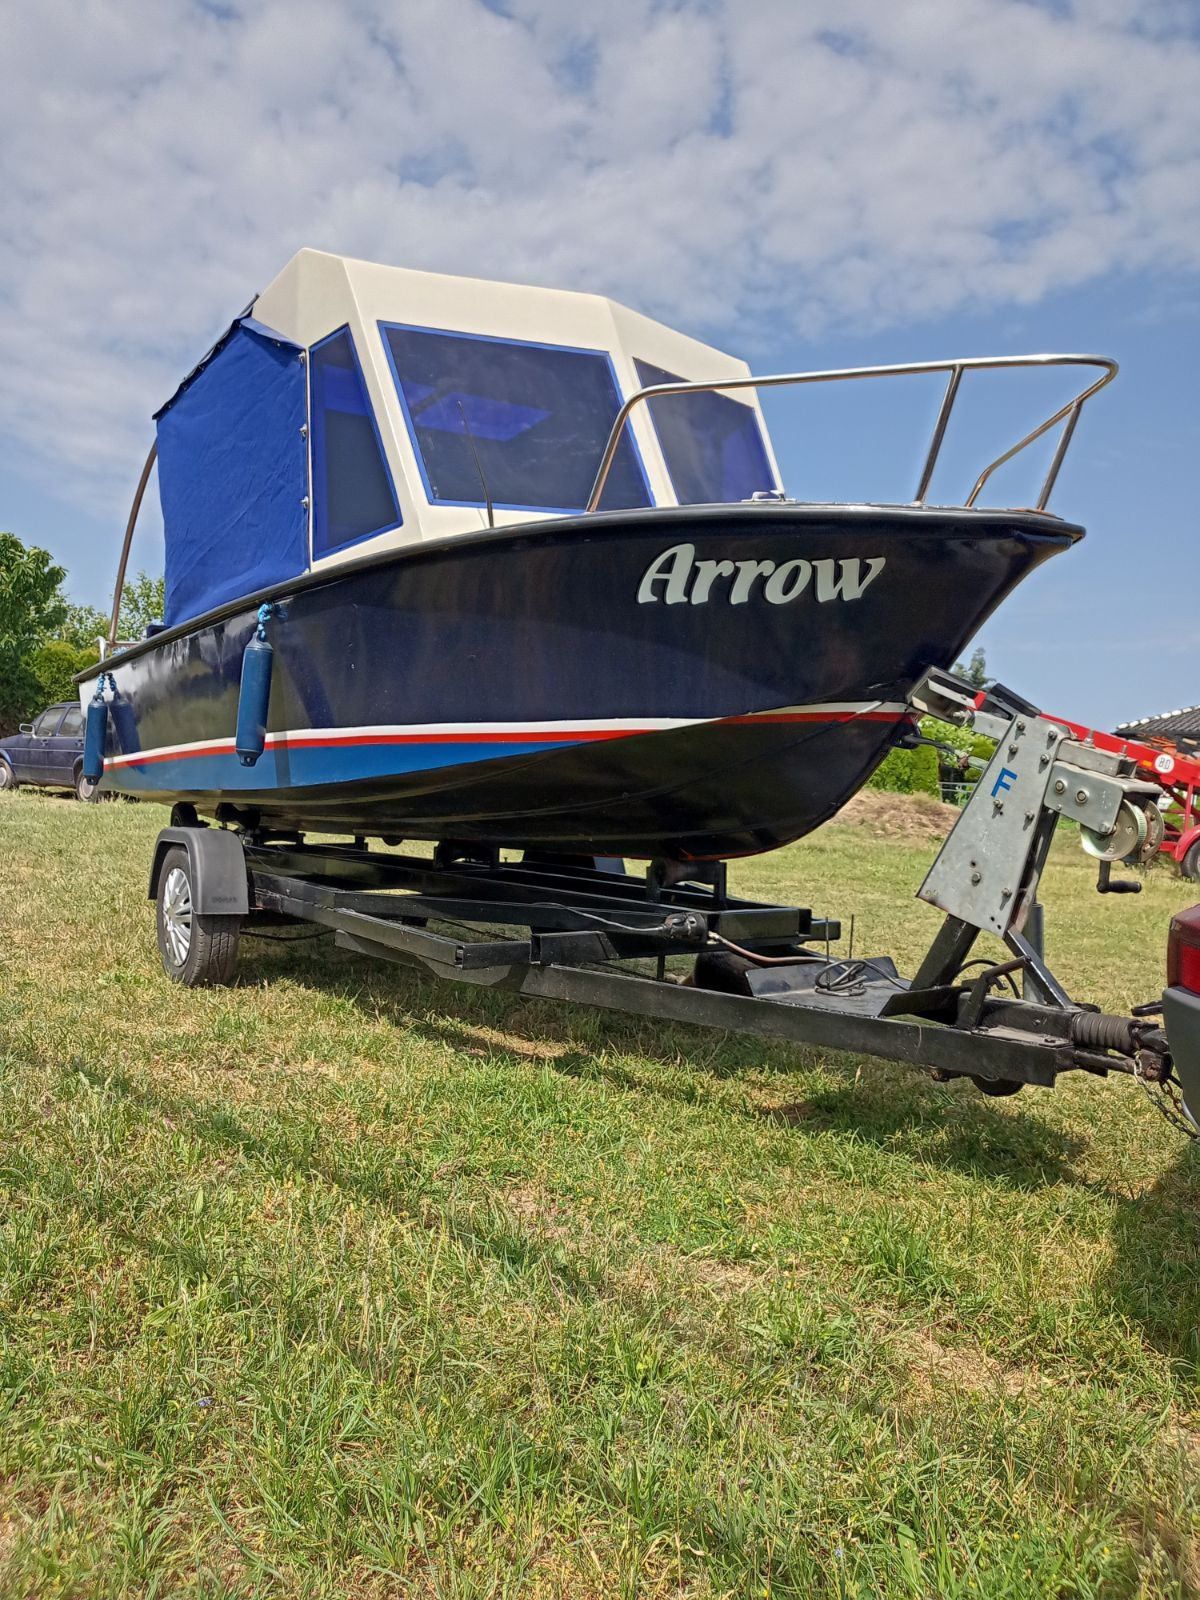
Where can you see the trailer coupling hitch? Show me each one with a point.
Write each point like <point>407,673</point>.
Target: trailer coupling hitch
<point>1094,1031</point>
<point>1142,1041</point>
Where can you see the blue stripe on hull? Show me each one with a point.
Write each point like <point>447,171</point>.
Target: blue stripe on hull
<point>313,767</point>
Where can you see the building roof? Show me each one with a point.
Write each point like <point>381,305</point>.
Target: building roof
<point>1182,725</point>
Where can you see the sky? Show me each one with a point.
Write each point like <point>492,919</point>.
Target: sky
<point>807,183</point>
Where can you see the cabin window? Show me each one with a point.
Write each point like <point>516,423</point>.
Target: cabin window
<point>353,496</point>
<point>712,444</point>
<point>529,421</point>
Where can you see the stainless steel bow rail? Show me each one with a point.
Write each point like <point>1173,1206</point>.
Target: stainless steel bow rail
<point>1067,414</point>
<point>675,945</point>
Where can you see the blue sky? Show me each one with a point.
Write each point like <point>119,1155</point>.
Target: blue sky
<point>809,183</point>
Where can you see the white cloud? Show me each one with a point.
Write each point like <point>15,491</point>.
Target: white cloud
<point>733,166</point>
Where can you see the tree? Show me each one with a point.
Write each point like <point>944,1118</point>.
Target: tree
<point>31,608</point>
<point>975,671</point>
<point>45,639</point>
<point>82,626</point>
<point>143,601</point>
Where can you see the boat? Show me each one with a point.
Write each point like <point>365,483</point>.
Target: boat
<point>503,566</point>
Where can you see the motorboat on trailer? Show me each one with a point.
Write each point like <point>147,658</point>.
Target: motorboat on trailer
<point>505,567</point>
<point>459,560</point>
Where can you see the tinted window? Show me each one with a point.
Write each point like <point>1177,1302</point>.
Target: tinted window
<point>72,724</point>
<point>48,722</point>
<point>353,495</point>
<point>531,420</point>
<point>712,444</point>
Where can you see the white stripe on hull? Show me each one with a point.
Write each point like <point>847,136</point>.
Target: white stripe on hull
<point>507,732</point>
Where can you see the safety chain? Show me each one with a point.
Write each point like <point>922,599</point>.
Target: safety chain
<point>1168,1102</point>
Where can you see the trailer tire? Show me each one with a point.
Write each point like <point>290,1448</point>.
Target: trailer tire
<point>197,950</point>
<point>722,971</point>
<point>997,1087</point>
<point>85,790</point>
<point>1190,865</point>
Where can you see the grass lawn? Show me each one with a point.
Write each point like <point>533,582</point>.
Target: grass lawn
<point>341,1282</point>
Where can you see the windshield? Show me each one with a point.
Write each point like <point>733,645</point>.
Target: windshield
<point>712,444</point>
<point>528,420</point>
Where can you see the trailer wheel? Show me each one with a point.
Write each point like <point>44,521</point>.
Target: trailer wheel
<point>1190,865</point>
<point>722,971</point>
<point>197,950</point>
<point>997,1087</point>
<point>85,789</point>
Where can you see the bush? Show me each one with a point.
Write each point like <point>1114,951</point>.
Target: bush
<point>908,772</point>
<point>964,740</point>
<point>975,744</point>
<point>53,666</point>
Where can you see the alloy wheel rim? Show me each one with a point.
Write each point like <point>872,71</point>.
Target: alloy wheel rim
<point>177,915</point>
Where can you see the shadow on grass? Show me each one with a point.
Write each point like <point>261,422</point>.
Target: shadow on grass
<point>1154,1280</point>
<point>896,1108</point>
<point>946,1125</point>
<point>391,1180</point>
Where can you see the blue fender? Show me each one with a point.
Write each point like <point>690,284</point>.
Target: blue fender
<point>95,734</point>
<point>254,696</point>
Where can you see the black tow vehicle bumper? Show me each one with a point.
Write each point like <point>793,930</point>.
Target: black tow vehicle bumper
<point>1181,1015</point>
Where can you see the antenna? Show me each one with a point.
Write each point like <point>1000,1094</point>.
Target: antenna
<point>487,496</point>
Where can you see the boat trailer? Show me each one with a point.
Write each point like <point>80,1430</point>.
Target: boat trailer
<point>674,944</point>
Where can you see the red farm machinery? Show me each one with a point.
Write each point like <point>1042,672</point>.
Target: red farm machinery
<point>1177,774</point>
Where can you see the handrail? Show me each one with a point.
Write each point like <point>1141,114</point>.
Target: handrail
<point>955,368</point>
<point>119,588</point>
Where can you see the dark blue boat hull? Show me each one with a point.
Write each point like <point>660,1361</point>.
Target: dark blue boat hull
<point>697,682</point>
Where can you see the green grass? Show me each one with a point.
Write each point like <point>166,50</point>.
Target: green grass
<point>341,1282</point>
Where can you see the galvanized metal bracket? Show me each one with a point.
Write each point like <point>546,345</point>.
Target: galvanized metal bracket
<point>986,873</point>
<point>981,869</point>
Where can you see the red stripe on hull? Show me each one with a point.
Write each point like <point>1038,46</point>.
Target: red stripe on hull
<point>557,736</point>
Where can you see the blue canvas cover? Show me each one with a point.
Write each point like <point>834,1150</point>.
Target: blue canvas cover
<point>233,472</point>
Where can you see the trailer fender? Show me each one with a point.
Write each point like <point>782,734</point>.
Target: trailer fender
<point>220,886</point>
<point>1185,841</point>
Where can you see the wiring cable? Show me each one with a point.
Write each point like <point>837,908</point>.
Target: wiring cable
<point>983,961</point>
<point>764,961</point>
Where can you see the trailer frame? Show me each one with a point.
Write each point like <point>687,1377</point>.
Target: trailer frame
<point>584,930</point>
<point>571,931</point>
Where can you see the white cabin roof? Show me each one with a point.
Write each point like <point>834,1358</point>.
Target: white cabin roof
<point>318,294</point>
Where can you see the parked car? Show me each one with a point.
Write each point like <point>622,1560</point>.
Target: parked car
<point>48,752</point>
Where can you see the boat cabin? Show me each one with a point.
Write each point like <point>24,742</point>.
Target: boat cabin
<point>356,408</point>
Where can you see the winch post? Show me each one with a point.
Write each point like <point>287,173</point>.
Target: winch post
<point>986,875</point>
<point>1035,934</point>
